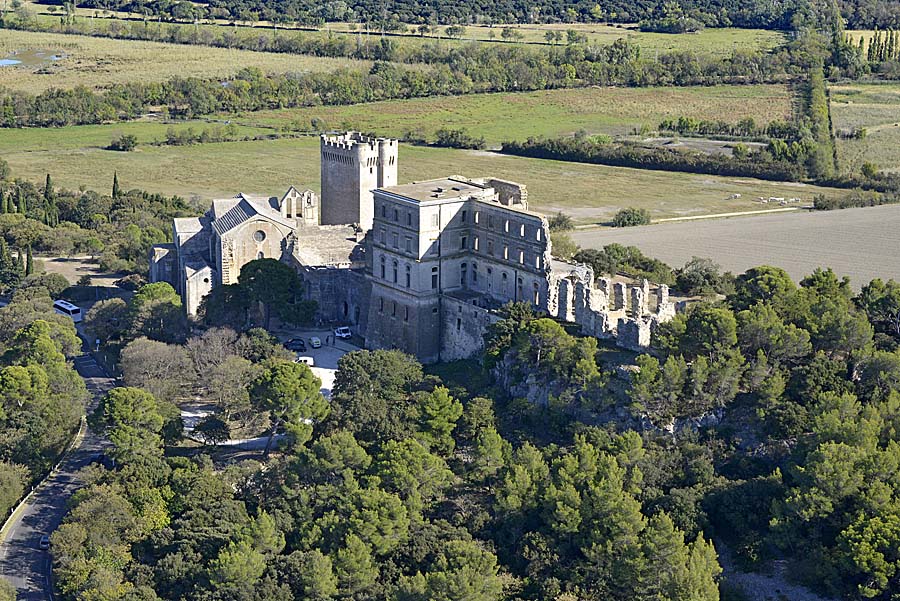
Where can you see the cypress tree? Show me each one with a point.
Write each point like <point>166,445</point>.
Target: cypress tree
<point>29,262</point>
<point>20,262</point>
<point>22,205</point>
<point>2,200</point>
<point>115,190</point>
<point>48,189</point>
<point>5,258</point>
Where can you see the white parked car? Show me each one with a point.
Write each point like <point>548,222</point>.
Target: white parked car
<point>308,360</point>
<point>343,332</point>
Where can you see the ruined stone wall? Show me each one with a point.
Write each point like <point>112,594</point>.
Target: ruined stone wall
<point>605,309</point>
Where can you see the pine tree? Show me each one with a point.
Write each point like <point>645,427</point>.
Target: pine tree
<point>115,191</point>
<point>29,262</point>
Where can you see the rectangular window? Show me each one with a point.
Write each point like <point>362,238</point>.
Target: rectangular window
<point>537,261</point>
<point>435,220</point>
<point>464,215</point>
<point>491,247</point>
<point>477,215</point>
<point>434,278</point>
<point>506,226</point>
<point>394,309</point>
<point>406,314</point>
<point>381,305</point>
<point>505,252</point>
<point>383,237</point>
<point>458,324</point>
<point>384,211</point>
<point>395,240</point>
<point>409,219</point>
<point>475,243</point>
<point>522,230</point>
<point>491,221</point>
<point>396,215</point>
<point>408,245</point>
<point>463,242</point>
<point>522,257</point>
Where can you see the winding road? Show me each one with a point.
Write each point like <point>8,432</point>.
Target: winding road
<point>22,561</point>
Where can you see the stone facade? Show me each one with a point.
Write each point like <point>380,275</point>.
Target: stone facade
<point>352,166</point>
<point>422,267</point>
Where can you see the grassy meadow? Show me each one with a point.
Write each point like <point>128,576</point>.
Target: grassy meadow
<point>101,62</point>
<point>720,41</point>
<point>506,116</point>
<point>875,107</point>
<point>590,193</point>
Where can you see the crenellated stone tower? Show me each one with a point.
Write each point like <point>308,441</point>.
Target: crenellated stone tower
<point>352,166</point>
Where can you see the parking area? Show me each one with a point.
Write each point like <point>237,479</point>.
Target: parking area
<point>325,358</point>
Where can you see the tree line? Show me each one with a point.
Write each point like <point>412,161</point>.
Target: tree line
<point>117,228</point>
<point>453,71</point>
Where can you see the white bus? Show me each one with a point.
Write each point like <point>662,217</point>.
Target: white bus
<point>66,308</point>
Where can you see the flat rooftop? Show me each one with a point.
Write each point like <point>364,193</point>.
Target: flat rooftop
<point>445,188</point>
<point>327,245</point>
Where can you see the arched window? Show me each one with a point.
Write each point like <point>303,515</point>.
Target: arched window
<point>260,255</point>
<point>382,268</point>
<point>462,274</point>
<point>395,271</point>
<point>537,294</point>
<point>408,276</point>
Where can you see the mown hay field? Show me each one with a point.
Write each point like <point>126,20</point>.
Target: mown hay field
<point>876,108</point>
<point>859,243</point>
<point>508,116</point>
<point>101,62</point>
<point>590,193</point>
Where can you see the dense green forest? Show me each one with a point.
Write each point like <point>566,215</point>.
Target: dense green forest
<point>764,424</point>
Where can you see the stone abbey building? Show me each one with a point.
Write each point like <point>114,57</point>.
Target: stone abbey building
<point>421,266</point>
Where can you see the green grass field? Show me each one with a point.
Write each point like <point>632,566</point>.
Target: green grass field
<point>716,41</point>
<point>100,62</point>
<point>590,193</point>
<point>506,116</point>
<point>875,107</point>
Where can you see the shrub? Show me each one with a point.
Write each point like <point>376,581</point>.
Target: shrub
<point>124,143</point>
<point>631,216</point>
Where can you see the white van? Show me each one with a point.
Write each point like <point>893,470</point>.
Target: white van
<point>308,360</point>
<point>66,308</point>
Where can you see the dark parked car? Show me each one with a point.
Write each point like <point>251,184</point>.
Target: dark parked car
<point>295,344</point>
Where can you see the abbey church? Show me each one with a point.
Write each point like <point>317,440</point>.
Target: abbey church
<point>422,266</point>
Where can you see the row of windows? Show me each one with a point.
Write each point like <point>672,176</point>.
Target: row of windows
<point>395,272</point>
<point>476,246</point>
<point>395,310</point>
<point>507,225</point>
<point>504,279</point>
<point>395,240</point>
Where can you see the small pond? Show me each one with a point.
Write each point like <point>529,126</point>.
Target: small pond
<point>30,58</point>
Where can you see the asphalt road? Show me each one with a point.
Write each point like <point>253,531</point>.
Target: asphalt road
<point>22,562</point>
